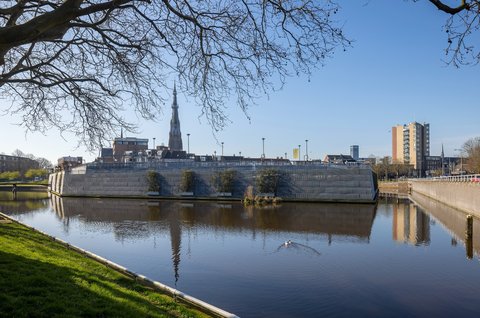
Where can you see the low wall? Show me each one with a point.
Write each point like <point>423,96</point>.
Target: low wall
<point>297,183</point>
<point>464,196</point>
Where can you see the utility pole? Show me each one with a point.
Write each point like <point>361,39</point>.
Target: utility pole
<point>306,149</point>
<point>263,147</point>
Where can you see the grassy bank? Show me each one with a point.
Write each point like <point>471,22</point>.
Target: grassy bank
<point>41,278</point>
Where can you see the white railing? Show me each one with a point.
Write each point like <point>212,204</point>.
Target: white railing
<point>474,178</point>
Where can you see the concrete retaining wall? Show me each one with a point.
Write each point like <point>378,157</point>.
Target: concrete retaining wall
<point>297,183</point>
<point>464,196</point>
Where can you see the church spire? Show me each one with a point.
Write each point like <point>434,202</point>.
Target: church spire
<point>175,137</point>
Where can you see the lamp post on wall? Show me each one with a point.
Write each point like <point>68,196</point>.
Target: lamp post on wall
<point>306,149</point>
<point>263,147</point>
<point>188,143</point>
<point>153,142</point>
<point>460,151</point>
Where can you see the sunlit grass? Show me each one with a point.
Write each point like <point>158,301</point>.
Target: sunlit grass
<point>41,278</point>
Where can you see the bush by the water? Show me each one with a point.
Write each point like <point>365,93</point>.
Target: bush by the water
<point>223,180</point>
<point>153,179</point>
<point>187,183</point>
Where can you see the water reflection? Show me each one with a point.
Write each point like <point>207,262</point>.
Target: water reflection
<point>137,219</point>
<point>335,220</point>
<point>22,201</point>
<point>294,260</point>
<point>410,224</point>
<point>453,221</point>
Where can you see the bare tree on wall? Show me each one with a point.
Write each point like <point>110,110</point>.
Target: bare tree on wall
<point>74,64</point>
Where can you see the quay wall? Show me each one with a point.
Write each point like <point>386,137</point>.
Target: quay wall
<point>296,183</point>
<point>464,196</point>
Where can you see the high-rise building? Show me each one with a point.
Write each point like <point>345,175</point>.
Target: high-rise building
<point>354,152</point>
<point>411,144</point>
<point>175,137</point>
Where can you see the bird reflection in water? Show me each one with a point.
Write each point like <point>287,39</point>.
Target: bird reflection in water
<point>299,247</point>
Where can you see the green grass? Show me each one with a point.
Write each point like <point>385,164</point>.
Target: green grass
<point>41,278</point>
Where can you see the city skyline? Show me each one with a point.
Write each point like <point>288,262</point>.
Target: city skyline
<point>394,74</point>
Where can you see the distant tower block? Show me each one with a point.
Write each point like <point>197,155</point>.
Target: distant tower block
<point>175,137</point>
<point>354,152</point>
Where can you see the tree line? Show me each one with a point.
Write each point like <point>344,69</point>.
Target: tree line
<point>30,174</point>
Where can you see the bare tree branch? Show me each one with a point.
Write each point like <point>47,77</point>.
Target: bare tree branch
<point>76,65</point>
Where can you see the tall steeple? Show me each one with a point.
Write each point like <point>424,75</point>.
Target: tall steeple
<point>175,137</point>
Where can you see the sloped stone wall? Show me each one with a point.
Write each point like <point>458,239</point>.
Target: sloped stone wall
<point>297,183</point>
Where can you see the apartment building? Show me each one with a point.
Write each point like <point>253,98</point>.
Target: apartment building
<point>411,144</point>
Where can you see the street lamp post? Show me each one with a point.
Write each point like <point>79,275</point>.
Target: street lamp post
<point>153,142</point>
<point>263,147</point>
<point>299,152</point>
<point>222,148</point>
<point>306,149</point>
<point>188,143</point>
<point>461,160</point>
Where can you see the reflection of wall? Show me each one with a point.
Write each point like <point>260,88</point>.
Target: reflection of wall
<point>332,219</point>
<point>141,218</point>
<point>453,220</point>
<point>410,224</point>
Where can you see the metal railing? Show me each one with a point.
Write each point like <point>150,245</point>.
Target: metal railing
<point>209,164</point>
<point>474,178</point>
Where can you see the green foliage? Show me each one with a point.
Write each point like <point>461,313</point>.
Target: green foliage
<point>223,180</point>
<point>34,173</point>
<point>41,278</point>
<point>153,179</point>
<point>267,181</point>
<point>187,183</point>
<point>10,175</point>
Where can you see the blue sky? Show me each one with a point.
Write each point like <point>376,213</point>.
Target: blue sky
<point>393,74</point>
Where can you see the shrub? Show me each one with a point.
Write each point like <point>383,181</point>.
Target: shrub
<point>153,179</point>
<point>267,181</point>
<point>223,181</point>
<point>187,183</point>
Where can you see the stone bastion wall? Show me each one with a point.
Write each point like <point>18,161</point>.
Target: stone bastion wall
<point>309,182</point>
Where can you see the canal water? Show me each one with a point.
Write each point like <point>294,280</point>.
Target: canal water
<point>398,258</point>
